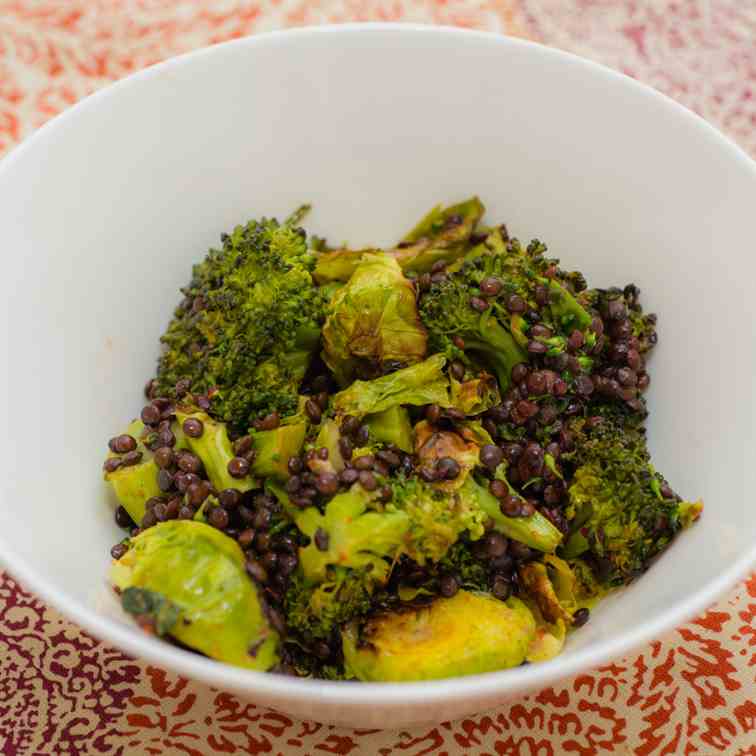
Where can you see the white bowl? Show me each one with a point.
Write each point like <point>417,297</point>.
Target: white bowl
<point>105,209</point>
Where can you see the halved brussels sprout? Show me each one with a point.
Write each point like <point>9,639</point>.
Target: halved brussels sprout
<point>372,323</point>
<point>468,634</point>
<point>190,581</point>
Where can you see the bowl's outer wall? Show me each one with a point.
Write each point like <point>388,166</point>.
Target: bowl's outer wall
<point>105,210</point>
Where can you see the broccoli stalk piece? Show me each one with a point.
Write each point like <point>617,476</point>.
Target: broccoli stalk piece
<point>372,325</point>
<point>424,383</point>
<point>274,448</point>
<point>134,484</point>
<point>623,513</point>
<point>248,326</point>
<point>535,531</point>
<point>213,447</point>
<point>392,426</point>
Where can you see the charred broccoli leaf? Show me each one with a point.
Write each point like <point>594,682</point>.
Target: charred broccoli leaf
<point>248,325</point>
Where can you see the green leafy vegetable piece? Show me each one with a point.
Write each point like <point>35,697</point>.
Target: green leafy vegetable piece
<point>372,324</point>
<point>443,235</point>
<point>424,383</point>
<point>200,572</point>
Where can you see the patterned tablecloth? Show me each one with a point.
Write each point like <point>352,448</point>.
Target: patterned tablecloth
<point>690,692</point>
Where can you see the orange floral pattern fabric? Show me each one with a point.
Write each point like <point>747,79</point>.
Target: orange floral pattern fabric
<point>690,692</point>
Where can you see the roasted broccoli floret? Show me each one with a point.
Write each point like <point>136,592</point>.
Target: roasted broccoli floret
<point>372,326</point>
<point>355,542</point>
<point>248,325</point>
<point>318,609</point>
<point>622,512</point>
<point>213,446</point>
<point>461,324</point>
<point>501,304</point>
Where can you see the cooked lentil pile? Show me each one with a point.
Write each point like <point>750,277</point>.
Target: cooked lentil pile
<point>345,454</point>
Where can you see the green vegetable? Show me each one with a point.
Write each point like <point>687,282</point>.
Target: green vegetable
<point>443,235</point>
<point>317,609</point>
<point>447,315</point>
<point>535,531</point>
<point>357,538</point>
<point>496,337</point>
<point>535,581</point>
<point>150,606</point>
<point>392,426</point>
<point>249,324</point>
<point>475,396</point>
<point>214,448</point>
<point>464,635</point>
<point>626,521</point>
<point>424,383</point>
<point>339,264</point>
<point>436,519</point>
<point>192,570</point>
<point>372,325</point>
<point>134,484</point>
<point>328,438</point>
<point>273,448</point>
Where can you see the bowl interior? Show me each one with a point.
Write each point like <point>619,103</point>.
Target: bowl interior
<point>106,209</point>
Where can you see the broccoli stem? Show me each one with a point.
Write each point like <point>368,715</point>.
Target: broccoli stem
<point>565,307</point>
<point>498,348</point>
<point>535,531</point>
